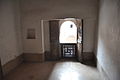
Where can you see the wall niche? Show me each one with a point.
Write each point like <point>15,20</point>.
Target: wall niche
<point>31,33</point>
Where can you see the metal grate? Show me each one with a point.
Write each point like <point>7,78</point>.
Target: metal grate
<point>68,50</point>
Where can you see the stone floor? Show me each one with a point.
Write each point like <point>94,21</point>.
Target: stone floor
<point>54,70</point>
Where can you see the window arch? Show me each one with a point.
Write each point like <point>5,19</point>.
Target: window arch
<point>68,32</point>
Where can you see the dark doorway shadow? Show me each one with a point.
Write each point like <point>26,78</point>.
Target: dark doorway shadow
<point>1,74</point>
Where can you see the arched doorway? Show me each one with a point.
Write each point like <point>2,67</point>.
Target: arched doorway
<point>68,38</point>
<point>65,36</point>
<point>68,32</point>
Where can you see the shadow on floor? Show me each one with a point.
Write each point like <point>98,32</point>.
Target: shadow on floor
<point>91,62</point>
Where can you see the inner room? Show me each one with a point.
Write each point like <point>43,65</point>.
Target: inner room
<point>59,40</point>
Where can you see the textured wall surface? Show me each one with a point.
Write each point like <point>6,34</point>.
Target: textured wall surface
<point>33,11</point>
<point>108,52</point>
<point>10,34</point>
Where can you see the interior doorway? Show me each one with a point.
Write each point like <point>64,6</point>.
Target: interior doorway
<point>68,32</point>
<point>62,38</point>
<point>68,37</point>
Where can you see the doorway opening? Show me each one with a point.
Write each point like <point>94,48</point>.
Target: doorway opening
<point>68,32</point>
<point>62,38</point>
<point>68,38</point>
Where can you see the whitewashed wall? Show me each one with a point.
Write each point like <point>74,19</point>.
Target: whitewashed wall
<point>10,30</point>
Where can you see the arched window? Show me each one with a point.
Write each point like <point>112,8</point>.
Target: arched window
<point>68,32</point>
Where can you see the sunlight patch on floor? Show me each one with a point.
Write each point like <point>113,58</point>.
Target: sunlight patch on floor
<point>69,75</point>
<point>74,71</point>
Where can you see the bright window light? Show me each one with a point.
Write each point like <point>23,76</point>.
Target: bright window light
<point>68,32</point>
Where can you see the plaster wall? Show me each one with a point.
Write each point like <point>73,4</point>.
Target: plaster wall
<point>108,48</point>
<point>33,11</point>
<point>10,31</point>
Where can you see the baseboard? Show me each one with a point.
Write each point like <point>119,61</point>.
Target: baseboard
<point>47,55</point>
<point>33,57</point>
<point>88,56</point>
<point>12,64</point>
<point>36,57</point>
